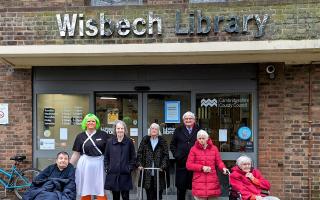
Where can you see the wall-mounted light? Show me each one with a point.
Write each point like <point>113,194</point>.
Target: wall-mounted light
<point>108,98</point>
<point>271,69</point>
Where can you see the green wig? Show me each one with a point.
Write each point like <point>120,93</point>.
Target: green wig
<point>86,118</point>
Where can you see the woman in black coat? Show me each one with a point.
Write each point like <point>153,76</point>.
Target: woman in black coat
<point>119,160</point>
<point>153,153</point>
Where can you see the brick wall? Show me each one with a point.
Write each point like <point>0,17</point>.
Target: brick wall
<point>38,25</point>
<point>16,137</point>
<point>25,4</point>
<point>284,132</point>
<point>70,3</point>
<point>283,102</point>
<point>271,126</point>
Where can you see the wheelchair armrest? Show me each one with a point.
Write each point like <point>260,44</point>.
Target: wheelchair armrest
<point>266,192</point>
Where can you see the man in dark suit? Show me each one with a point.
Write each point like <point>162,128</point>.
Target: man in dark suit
<point>183,139</point>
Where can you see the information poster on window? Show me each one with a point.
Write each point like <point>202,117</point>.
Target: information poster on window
<point>172,111</point>
<point>223,135</point>
<point>133,131</point>
<point>63,134</point>
<point>47,144</point>
<point>4,118</point>
<point>49,116</point>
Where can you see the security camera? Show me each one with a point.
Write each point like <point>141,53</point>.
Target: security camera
<point>270,69</point>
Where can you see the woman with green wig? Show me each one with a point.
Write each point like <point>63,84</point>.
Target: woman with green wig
<point>88,155</point>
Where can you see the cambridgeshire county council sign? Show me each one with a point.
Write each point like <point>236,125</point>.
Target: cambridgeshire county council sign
<point>77,24</point>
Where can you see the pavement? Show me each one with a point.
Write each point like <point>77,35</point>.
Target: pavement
<point>133,196</point>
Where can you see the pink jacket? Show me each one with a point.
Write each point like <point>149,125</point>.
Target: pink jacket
<point>205,184</point>
<point>248,189</point>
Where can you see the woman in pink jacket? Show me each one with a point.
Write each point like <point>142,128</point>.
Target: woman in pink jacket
<point>249,182</point>
<point>203,159</point>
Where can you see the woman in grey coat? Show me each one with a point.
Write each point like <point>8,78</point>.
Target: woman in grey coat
<point>153,152</point>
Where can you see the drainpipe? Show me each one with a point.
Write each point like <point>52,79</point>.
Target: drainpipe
<point>310,133</point>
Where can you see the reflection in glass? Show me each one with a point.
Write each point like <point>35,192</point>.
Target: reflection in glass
<point>222,115</point>
<point>156,111</point>
<point>112,107</point>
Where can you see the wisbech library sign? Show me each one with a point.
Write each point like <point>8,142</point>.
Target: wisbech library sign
<point>197,23</point>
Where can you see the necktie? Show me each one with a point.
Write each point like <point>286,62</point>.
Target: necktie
<point>190,130</point>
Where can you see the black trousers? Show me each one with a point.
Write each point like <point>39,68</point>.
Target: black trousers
<point>124,194</point>
<point>152,191</point>
<point>181,194</point>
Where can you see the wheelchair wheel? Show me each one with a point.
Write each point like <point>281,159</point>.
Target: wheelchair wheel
<point>21,184</point>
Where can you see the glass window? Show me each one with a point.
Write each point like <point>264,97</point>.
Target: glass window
<point>59,118</point>
<point>228,120</point>
<point>112,107</point>
<point>114,2</point>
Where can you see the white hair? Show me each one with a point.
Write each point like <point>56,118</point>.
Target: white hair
<point>154,125</point>
<point>190,114</point>
<point>244,159</point>
<point>202,133</point>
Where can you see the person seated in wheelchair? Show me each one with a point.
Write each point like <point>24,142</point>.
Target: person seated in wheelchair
<point>249,182</point>
<point>56,182</point>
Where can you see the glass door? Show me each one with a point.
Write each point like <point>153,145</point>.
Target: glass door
<point>139,111</point>
<point>125,107</point>
<point>166,109</point>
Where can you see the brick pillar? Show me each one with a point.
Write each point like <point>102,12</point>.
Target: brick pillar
<point>16,137</point>
<point>271,127</point>
<point>315,150</point>
<point>284,131</point>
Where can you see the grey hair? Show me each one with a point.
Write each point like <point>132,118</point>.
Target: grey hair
<point>202,133</point>
<point>189,113</point>
<point>154,125</point>
<point>244,159</point>
<point>123,124</point>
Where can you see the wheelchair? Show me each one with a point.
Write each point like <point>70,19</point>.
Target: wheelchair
<point>234,195</point>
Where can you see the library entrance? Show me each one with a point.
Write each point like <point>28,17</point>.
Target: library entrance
<point>223,98</point>
<point>221,115</point>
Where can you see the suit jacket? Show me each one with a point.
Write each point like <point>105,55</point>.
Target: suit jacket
<point>180,146</point>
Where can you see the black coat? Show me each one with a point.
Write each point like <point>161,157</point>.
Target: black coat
<point>53,184</point>
<point>180,146</point>
<point>119,161</point>
<point>160,157</point>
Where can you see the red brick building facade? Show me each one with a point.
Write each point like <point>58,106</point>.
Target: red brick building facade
<point>288,151</point>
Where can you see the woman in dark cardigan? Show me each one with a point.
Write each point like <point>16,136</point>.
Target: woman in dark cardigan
<point>153,152</point>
